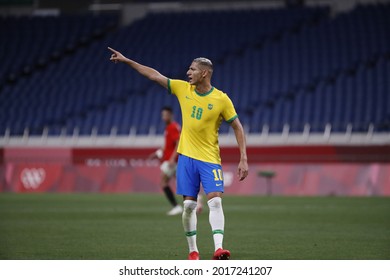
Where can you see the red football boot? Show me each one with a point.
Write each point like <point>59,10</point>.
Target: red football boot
<point>221,254</point>
<point>193,256</point>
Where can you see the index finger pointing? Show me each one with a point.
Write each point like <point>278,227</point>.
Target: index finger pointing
<point>111,49</point>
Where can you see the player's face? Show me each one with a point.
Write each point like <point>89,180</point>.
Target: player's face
<point>166,116</point>
<point>195,74</point>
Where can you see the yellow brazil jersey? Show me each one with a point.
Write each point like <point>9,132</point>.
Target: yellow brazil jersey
<point>202,115</point>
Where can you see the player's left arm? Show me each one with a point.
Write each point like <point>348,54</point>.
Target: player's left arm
<point>242,171</point>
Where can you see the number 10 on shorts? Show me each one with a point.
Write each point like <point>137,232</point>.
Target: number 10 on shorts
<point>217,175</point>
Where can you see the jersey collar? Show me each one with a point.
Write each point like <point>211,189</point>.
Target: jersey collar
<point>204,94</point>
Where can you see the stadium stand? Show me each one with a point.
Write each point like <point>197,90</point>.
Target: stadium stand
<point>297,67</point>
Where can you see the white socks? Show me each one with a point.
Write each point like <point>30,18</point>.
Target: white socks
<point>189,223</point>
<point>217,221</point>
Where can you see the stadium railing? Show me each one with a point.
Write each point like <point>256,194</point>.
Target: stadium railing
<point>151,139</point>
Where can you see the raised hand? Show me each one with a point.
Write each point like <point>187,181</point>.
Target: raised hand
<point>116,56</point>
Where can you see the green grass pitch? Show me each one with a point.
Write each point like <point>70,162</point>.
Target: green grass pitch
<point>134,226</point>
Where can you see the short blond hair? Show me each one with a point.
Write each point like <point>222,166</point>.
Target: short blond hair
<point>205,62</point>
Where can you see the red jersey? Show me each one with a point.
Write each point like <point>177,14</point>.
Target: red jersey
<point>172,135</point>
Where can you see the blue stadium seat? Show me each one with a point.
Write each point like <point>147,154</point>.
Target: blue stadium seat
<point>279,66</point>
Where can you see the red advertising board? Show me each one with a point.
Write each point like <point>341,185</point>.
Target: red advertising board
<point>355,171</point>
<point>34,177</point>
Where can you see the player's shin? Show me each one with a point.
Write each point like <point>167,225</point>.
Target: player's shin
<point>189,223</point>
<point>169,195</point>
<point>217,221</point>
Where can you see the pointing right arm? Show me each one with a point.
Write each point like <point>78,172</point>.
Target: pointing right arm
<point>146,71</point>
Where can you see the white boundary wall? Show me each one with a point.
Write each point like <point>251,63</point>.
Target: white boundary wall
<point>262,139</point>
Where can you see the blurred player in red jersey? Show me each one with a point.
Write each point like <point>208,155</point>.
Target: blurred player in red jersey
<point>168,157</point>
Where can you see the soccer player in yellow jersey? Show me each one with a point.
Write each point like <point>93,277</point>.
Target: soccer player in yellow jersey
<point>203,108</point>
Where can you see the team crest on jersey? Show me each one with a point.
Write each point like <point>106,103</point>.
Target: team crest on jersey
<point>210,106</point>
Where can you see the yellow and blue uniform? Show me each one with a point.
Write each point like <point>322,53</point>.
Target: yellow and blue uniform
<point>199,159</point>
<point>202,115</point>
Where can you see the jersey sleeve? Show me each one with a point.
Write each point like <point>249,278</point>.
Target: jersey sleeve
<point>176,87</point>
<point>229,112</point>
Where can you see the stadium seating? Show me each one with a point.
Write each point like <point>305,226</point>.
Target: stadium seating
<point>280,66</point>
<point>33,51</point>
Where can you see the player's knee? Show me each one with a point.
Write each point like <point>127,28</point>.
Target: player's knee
<point>215,203</point>
<point>189,206</point>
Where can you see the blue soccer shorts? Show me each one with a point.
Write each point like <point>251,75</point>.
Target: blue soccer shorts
<point>191,172</point>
